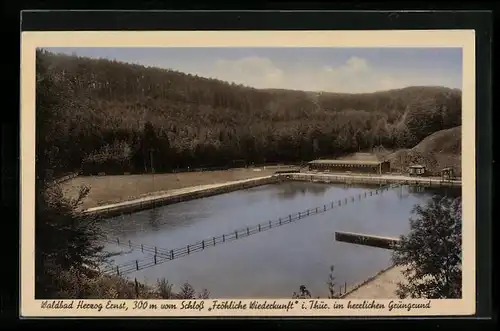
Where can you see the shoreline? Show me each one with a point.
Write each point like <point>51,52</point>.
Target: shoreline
<point>176,196</point>
<point>382,285</point>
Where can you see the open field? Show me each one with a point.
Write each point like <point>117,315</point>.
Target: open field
<point>112,189</point>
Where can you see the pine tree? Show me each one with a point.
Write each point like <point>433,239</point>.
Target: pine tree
<point>187,291</point>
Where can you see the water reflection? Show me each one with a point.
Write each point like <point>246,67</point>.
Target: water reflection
<point>291,190</point>
<point>155,219</point>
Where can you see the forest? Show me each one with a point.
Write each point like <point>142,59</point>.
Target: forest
<point>97,115</point>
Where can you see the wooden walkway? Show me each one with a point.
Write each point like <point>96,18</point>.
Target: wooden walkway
<point>372,179</point>
<point>161,255</point>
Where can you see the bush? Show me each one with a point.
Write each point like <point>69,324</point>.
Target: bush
<point>111,159</point>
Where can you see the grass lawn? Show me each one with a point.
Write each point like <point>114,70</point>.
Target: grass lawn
<point>112,189</point>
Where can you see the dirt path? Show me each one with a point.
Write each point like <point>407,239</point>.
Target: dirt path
<point>112,189</point>
<point>383,286</point>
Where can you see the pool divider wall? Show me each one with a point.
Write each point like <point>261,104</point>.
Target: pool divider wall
<point>153,202</point>
<point>366,240</point>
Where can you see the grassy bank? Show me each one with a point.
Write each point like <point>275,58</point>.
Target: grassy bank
<point>92,285</point>
<point>111,189</point>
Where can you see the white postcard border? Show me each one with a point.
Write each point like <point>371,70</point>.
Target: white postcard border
<point>464,39</point>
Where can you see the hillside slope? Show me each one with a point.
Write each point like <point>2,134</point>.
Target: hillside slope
<point>99,107</point>
<point>439,150</point>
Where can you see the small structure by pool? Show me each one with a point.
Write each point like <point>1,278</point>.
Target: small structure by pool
<point>416,170</point>
<point>447,173</point>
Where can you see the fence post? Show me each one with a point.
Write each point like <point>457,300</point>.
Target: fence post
<point>118,270</point>
<point>142,248</point>
<point>279,220</point>
<point>270,224</point>
<point>236,234</point>
<point>154,257</point>
<point>203,244</point>
<point>259,227</point>
<point>214,241</point>
<point>308,212</point>
<point>290,217</point>
<point>248,232</point>
<point>136,265</point>
<point>118,240</point>
<point>188,249</point>
<point>223,238</point>
<point>171,254</point>
<point>324,207</point>
<point>136,288</point>
<point>316,209</point>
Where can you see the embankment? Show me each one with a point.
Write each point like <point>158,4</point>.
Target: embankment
<point>106,190</point>
<point>176,196</point>
<point>382,285</point>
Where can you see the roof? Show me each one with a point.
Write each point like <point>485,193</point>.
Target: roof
<point>447,168</point>
<point>360,157</point>
<point>367,162</point>
<point>417,166</point>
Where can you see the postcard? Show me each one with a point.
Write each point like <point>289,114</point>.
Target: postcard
<point>248,173</point>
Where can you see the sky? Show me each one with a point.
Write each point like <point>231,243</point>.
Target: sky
<point>343,70</point>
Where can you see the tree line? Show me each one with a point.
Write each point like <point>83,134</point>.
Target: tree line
<point>115,117</point>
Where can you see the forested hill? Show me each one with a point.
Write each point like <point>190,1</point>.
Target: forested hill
<point>120,116</point>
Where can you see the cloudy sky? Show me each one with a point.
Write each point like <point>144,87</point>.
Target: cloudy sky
<point>350,70</point>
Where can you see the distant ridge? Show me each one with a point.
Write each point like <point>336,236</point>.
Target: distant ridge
<point>105,107</point>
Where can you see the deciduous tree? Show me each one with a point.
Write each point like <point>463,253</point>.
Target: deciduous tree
<point>431,254</point>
